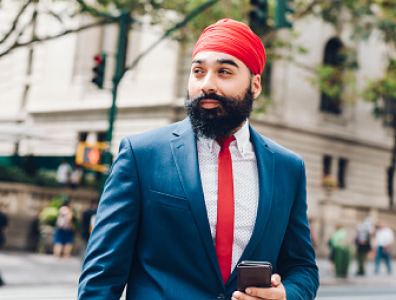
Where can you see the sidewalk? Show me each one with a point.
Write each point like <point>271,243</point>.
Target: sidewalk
<point>32,269</point>
<point>19,268</point>
<point>380,279</point>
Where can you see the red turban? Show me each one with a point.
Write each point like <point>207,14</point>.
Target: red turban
<point>236,39</point>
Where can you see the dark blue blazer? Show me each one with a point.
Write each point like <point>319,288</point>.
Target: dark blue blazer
<point>152,231</point>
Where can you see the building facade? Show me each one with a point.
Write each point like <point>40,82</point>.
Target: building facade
<point>46,88</point>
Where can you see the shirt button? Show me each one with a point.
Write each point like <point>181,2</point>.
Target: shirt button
<point>221,296</point>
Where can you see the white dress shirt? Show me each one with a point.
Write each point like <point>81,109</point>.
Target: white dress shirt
<point>246,189</point>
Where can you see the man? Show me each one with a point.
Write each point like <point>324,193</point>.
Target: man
<point>3,232</point>
<point>383,240</point>
<point>363,244</point>
<point>88,218</point>
<point>179,211</point>
<point>63,173</point>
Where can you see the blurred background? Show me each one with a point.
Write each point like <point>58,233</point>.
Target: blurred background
<point>78,75</point>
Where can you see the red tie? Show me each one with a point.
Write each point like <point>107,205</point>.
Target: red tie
<point>225,208</point>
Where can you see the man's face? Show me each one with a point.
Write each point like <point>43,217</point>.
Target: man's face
<point>220,93</point>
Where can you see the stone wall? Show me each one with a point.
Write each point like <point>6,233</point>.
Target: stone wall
<point>23,203</point>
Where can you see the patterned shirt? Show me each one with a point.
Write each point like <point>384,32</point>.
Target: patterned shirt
<point>246,189</point>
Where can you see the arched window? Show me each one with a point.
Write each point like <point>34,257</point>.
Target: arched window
<point>332,57</point>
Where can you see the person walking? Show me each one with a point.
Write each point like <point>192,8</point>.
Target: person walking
<point>88,219</point>
<point>3,232</point>
<point>383,240</point>
<point>76,176</point>
<point>63,238</point>
<point>184,204</point>
<point>63,173</point>
<point>341,251</point>
<point>364,231</point>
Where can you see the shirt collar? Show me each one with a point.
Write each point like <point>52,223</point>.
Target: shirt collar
<point>242,137</point>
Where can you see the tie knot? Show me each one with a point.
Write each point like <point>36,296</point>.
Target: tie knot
<point>225,141</point>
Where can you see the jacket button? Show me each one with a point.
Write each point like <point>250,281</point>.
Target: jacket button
<point>221,296</point>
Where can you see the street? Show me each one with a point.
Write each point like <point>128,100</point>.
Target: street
<point>355,292</point>
<point>31,276</point>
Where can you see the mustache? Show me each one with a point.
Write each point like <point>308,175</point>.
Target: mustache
<point>221,99</point>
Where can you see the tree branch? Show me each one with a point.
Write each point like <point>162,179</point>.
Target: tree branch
<point>93,11</point>
<point>48,38</point>
<point>189,17</point>
<point>307,10</point>
<point>16,20</point>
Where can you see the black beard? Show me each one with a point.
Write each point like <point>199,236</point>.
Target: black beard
<point>219,121</point>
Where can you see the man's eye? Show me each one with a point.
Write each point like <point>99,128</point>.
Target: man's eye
<point>197,71</point>
<point>224,71</point>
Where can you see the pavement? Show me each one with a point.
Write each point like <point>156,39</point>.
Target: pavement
<point>42,276</point>
<point>30,276</point>
<point>327,277</point>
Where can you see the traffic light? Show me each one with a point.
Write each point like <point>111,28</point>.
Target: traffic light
<point>99,70</point>
<point>91,156</point>
<point>258,16</point>
<point>283,8</point>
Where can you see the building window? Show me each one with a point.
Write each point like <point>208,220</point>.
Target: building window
<point>101,136</point>
<point>342,167</point>
<point>82,136</point>
<point>332,57</point>
<point>326,165</point>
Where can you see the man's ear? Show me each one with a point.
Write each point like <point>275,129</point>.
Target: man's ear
<point>256,85</point>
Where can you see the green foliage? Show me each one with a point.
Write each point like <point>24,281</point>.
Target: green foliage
<point>363,17</point>
<point>338,82</point>
<point>235,9</point>
<point>13,174</point>
<point>49,214</point>
<point>330,81</point>
<point>381,89</point>
<point>45,178</point>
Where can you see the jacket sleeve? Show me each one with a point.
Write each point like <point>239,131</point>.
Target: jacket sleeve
<point>111,246</point>
<point>296,261</point>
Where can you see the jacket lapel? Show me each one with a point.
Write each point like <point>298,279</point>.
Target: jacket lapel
<point>184,151</point>
<point>266,166</point>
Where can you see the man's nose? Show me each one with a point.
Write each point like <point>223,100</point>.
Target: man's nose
<point>209,85</point>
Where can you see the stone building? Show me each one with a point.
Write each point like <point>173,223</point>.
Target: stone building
<point>57,102</point>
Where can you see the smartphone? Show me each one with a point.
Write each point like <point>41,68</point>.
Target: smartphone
<point>253,273</point>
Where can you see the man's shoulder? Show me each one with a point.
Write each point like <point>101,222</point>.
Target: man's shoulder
<point>158,135</point>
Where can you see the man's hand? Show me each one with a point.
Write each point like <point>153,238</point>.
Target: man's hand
<point>276,292</point>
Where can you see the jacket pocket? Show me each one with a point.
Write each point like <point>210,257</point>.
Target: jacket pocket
<point>169,200</point>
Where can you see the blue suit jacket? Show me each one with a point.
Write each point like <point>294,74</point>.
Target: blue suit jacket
<point>152,230</point>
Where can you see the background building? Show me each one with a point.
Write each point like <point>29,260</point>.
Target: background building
<point>47,94</point>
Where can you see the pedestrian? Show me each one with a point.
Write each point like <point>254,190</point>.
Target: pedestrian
<point>364,231</point>
<point>75,176</point>
<point>383,240</point>
<point>3,232</point>
<point>341,252</point>
<point>185,203</point>
<point>63,173</point>
<point>63,238</point>
<point>88,219</point>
